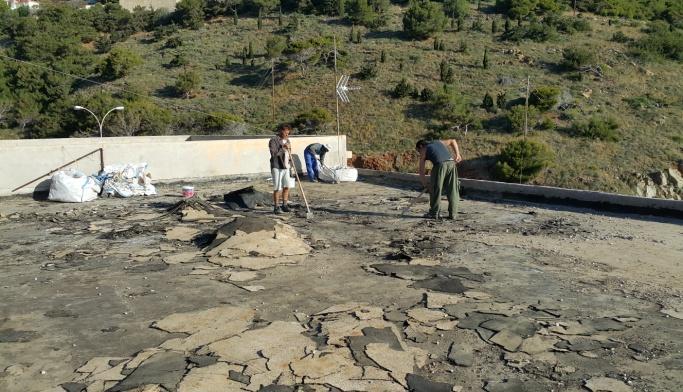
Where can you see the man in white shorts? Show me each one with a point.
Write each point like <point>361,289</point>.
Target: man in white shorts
<point>280,152</point>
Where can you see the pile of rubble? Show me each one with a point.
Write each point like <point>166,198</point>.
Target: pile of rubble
<point>665,184</point>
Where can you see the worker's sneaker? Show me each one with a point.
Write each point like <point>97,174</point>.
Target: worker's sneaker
<point>430,215</point>
<point>284,208</point>
<point>277,210</point>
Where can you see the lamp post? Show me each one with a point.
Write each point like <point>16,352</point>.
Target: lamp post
<point>118,108</point>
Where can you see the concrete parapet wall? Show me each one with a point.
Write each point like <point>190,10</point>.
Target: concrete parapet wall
<point>493,190</point>
<point>169,157</point>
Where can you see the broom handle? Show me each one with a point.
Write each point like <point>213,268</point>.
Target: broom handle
<point>301,188</point>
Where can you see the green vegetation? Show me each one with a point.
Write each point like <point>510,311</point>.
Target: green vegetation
<point>544,98</point>
<point>219,53</point>
<point>522,160</point>
<point>597,128</point>
<point>518,117</point>
<point>423,19</point>
<point>313,121</point>
<point>577,57</point>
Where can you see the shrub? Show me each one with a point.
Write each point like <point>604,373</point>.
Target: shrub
<point>188,81</point>
<point>566,24</point>
<point>362,13</point>
<point>522,160</point>
<point>577,57</point>
<point>597,128</point>
<point>426,95</point>
<point>456,8</point>
<point>119,63</point>
<point>477,25</point>
<point>501,100</point>
<point>547,124</point>
<point>544,98</point>
<point>403,89</point>
<point>517,117</point>
<point>179,60</point>
<point>368,71</point>
<point>173,42</point>
<point>190,13</point>
<point>423,19</point>
<point>487,102</point>
<point>313,121</point>
<point>620,37</point>
<point>535,31</point>
<point>661,43</point>
<point>217,121</point>
<point>451,106</point>
<point>275,45</point>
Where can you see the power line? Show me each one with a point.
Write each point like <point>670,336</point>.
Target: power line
<point>159,100</point>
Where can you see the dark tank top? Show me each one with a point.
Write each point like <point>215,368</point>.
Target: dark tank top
<point>437,152</point>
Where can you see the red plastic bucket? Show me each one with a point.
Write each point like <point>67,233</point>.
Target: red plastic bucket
<point>188,191</point>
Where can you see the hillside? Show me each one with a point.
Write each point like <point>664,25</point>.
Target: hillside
<point>644,97</point>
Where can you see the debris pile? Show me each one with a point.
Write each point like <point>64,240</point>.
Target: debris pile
<point>195,209</point>
<point>256,243</point>
<point>246,198</point>
<point>227,349</point>
<point>127,180</point>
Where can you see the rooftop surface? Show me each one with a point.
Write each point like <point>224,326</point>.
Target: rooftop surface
<point>113,295</point>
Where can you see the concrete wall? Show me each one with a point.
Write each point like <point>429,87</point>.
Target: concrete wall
<point>502,191</point>
<point>169,157</point>
<point>150,4</point>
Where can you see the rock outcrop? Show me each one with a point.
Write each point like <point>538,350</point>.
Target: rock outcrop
<point>664,184</point>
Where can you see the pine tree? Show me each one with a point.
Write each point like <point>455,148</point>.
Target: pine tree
<point>487,102</point>
<point>494,27</point>
<point>442,70</point>
<point>244,56</point>
<point>359,37</point>
<point>507,25</point>
<point>341,8</point>
<point>235,17</point>
<point>450,75</point>
<point>501,101</point>
<point>436,43</point>
<point>259,22</point>
<point>400,65</point>
<point>250,53</point>
<point>279,18</point>
<point>383,57</point>
<point>352,36</point>
<point>452,23</point>
<point>485,61</point>
<point>460,22</point>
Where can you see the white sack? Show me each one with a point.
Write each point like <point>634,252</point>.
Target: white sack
<point>73,187</point>
<point>337,174</point>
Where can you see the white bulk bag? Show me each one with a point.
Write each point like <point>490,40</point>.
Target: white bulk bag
<point>337,174</point>
<point>73,187</point>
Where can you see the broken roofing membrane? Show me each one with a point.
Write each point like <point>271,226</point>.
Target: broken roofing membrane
<point>211,294</point>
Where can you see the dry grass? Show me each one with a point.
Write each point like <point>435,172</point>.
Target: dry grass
<point>375,122</point>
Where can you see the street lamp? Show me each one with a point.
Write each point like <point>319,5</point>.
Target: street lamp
<point>118,108</point>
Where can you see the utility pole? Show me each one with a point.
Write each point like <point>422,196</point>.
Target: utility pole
<point>272,85</point>
<point>336,97</point>
<point>526,122</point>
<point>526,108</point>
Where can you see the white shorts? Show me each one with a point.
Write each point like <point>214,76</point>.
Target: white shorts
<point>281,179</point>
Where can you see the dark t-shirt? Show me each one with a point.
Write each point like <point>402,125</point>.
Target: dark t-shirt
<point>278,156</point>
<point>437,152</point>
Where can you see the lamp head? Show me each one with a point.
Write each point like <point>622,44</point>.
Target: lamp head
<point>78,107</point>
<point>118,108</point>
